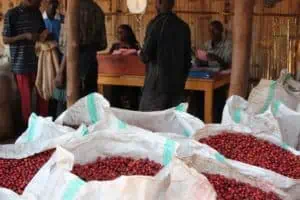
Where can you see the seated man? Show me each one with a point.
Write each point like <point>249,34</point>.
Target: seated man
<point>216,53</point>
<point>218,50</point>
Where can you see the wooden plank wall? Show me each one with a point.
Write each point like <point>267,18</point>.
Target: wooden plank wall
<point>269,53</point>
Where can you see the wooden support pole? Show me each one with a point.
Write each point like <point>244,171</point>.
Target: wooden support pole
<point>242,36</point>
<point>73,81</point>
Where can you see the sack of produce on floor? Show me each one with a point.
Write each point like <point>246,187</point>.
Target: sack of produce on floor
<point>274,161</point>
<point>174,120</point>
<point>285,89</point>
<point>113,166</point>
<point>279,120</point>
<point>20,162</point>
<point>238,111</point>
<point>208,161</point>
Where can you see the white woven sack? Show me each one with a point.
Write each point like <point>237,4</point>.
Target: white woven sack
<point>285,89</point>
<point>288,185</point>
<point>173,181</point>
<point>173,120</point>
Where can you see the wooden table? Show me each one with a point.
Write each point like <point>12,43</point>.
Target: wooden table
<point>195,84</point>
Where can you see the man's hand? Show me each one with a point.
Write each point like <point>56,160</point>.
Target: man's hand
<point>44,36</point>
<point>59,81</point>
<point>30,36</point>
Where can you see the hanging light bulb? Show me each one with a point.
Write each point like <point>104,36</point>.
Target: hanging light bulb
<point>137,6</point>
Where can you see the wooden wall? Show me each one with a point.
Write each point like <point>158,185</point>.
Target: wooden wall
<point>273,35</point>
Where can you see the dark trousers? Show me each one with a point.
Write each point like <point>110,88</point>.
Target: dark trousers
<point>89,83</point>
<point>56,108</point>
<point>125,97</point>
<point>197,103</point>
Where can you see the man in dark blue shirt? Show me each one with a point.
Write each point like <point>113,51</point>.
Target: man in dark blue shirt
<point>23,26</point>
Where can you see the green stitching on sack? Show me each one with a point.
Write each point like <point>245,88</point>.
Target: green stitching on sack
<point>187,133</point>
<point>287,77</point>
<point>169,150</point>
<point>73,188</point>
<point>270,97</point>
<point>180,108</point>
<point>275,107</point>
<point>32,127</point>
<point>92,108</point>
<point>285,146</point>
<point>122,125</point>
<point>219,157</point>
<point>237,115</point>
<point>85,131</point>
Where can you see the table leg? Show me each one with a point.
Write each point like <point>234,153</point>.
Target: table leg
<point>101,89</point>
<point>208,108</point>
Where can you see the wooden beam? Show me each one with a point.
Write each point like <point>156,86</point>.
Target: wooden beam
<point>242,36</point>
<point>73,81</point>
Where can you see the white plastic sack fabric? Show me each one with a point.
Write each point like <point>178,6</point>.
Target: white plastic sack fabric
<point>289,123</point>
<point>174,120</point>
<point>88,110</point>
<point>40,128</point>
<point>94,112</point>
<point>24,150</point>
<point>291,186</point>
<point>238,111</point>
<point>6,194</point>
<point>285,89</point>
<point>174,181</point>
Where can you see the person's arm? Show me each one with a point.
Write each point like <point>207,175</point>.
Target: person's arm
<point>113,47</point>
<point>60,78</point>
<point>12,40</point>
<point>148,51</point>
<point>8,30</point>
<point>43,33</point>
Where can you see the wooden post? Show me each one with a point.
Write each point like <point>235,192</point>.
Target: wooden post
<point>242,37</point>
<point>298,61</point>
<point>73,81</point>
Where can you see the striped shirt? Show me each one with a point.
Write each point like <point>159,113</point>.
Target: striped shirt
<point>223,49</point>
<point>17,21</point>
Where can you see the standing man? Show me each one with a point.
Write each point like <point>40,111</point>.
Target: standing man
<point>52,19</point>
<point>23,26</point>
<point>92,39</point>
<point>167,55</point>
<point>53,22</point>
